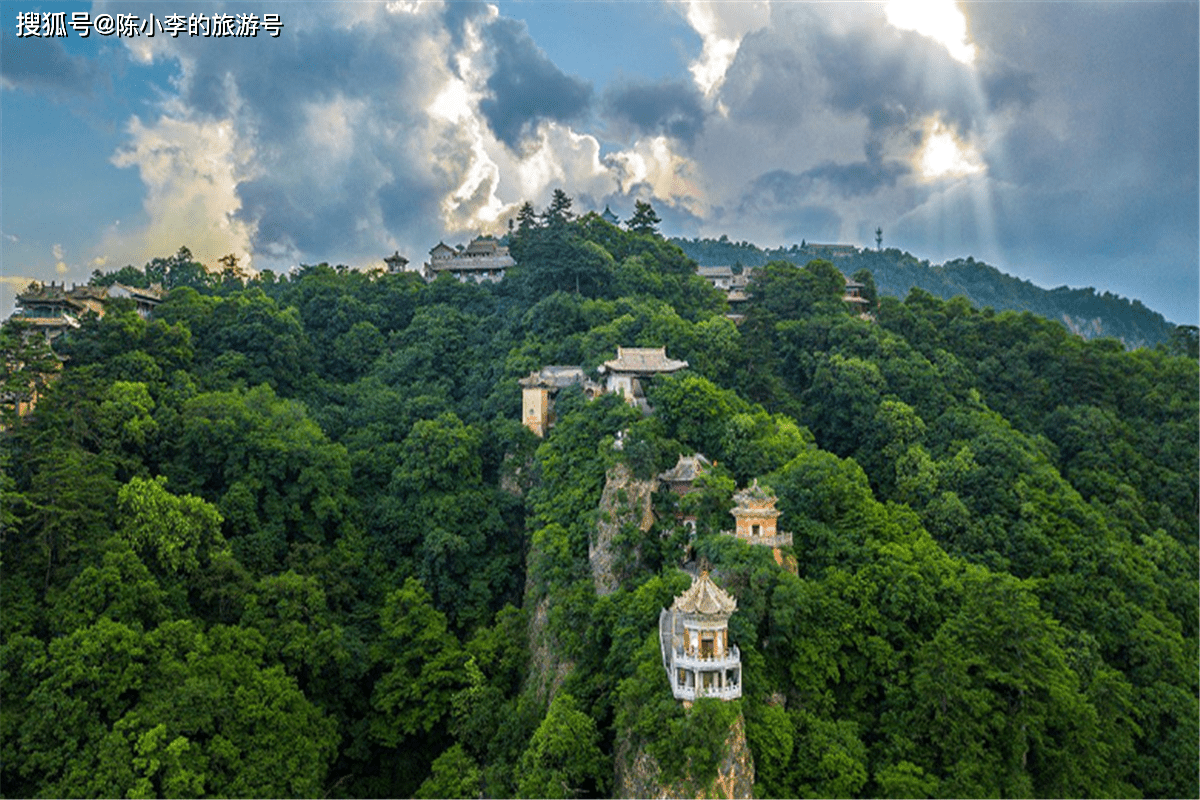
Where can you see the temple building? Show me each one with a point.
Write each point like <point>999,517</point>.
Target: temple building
<point>396,263</point>
<point>53,309</point>
<point>625,374</point>
<point>853,298</point>
<point>756,516</point>
<point>632,366</point>
<point>680,479</point>
<point>694,640</point>
<point>828,251</point>
<point>539,388</point>
<point>484,260</point>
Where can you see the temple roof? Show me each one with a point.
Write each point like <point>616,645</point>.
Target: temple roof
<point>705,597</point>
<point>483,245</point>
<point>687,469</point>
<point>755,491</point>
<point>754,496</point>
<point>644,361</point>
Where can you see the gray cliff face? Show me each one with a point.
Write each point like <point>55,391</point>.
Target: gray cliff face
<point>638,774</point>
<point>625,507</point>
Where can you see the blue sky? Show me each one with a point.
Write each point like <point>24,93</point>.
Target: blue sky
<point>1056,141</point>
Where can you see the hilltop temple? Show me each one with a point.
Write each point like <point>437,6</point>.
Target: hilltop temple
<point>539,388</point>
<point>632,366</point>
<point>53,309</point>
<point>484,260</point>
<point>694,641</point>
<point>625,375</point>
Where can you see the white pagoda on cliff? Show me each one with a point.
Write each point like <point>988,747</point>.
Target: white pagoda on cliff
<point>694,638</point>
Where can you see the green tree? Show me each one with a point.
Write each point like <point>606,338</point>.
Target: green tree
<point>644,221</point>
<point>423,663</point>
<point>455,774</point>
<point>563,758</point>
<point>176,533</point>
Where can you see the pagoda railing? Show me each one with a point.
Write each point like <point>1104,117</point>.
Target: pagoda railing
<point>730,658</point>
<point>727,692</point>
<point>778,540</point>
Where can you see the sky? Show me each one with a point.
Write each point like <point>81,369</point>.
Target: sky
<point>1056,141</point>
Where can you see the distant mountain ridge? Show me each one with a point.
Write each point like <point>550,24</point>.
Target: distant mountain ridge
<point>1082,311</point>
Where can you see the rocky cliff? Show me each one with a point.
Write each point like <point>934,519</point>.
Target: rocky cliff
<point>638,774</point>
<point>625,514</point>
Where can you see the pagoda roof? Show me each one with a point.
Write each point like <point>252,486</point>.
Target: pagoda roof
<point>644,361</point>
<point>705,597</point>
<point>754,495</point>
<point>687,469</point>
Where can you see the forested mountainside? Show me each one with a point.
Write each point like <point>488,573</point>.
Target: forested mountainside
<point>896,273</point>
<point>290,538</point>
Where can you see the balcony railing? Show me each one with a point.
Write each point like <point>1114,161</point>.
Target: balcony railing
<point>728,692</point>
<point>730,658</point>
<point>778,540</point>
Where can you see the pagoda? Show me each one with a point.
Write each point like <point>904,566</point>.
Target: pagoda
<point>756,516</point>
<point>694,640</point>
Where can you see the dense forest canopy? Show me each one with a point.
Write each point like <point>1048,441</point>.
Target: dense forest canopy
<point>894,272</point>
<point>288,537</point>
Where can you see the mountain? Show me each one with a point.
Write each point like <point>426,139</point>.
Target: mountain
<point>358,534</point>
<point>1085,312</point>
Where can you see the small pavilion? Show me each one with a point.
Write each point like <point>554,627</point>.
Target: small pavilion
<point>756,517</point>
<point>694,639</point>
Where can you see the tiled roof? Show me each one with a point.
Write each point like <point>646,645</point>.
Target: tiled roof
<point>644,360</point>
<point>483,246</point>
<point>705,597</point>
<point>754,496</point>
<point>686,469</point>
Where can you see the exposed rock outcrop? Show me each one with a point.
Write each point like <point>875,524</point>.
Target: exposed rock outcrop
<point>626,503</point>
<point>638,774</point>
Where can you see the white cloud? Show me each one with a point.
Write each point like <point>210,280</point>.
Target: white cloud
<point>940,20</point>
<point>721,26</point>
<point>669,176</point>
<point>191,170</point>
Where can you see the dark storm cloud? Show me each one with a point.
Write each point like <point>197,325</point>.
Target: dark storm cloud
<point>877,75</point>
<point>785,199</point>
<point>333,110</point>
<point>673,108</point>
<point>857,179</point>
<point>526,87</point>
<point>40,64</point>
<point>1101,163</point>
<point>1008,87</point>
